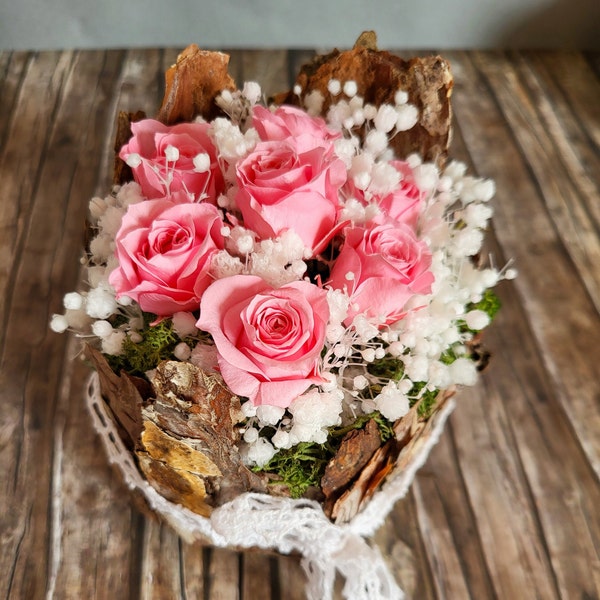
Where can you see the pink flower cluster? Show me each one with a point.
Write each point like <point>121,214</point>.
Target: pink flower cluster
<point>269,339</point>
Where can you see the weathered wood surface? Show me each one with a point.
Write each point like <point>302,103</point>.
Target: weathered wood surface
<point>508,506</point>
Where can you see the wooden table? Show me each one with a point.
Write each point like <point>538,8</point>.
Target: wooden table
<point>508,505</point>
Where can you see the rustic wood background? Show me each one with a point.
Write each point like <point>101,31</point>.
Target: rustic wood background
<point>508,505</point>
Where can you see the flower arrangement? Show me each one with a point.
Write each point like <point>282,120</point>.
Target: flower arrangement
<point>327,289</point>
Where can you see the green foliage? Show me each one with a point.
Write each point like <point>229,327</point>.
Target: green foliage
<point>386,368</point>
<point>386,428</point>
<point>426,399</point>
<point>299,467</point>
<point>157,344</point>
<point>303,465</point>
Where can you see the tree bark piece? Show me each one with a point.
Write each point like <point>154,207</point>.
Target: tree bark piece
<point>378,76</point>
<point>122,396</point>
<point>355,451</point>
<point>193,83</point>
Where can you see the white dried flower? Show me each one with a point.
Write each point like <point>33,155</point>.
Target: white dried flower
<point>184,324</point>
<point>201,162</point>
<point>102,328</point>
<point>73,301</point>
<point>252,91</point>
<point>59,323</point>
<point>350,88</point>
<point>477,319</point>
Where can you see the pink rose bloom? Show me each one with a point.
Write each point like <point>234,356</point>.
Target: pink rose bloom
<point>164,252</point>
<point>388,265</point>
<point>268,340</point>
<point>283,186</point>
<point>160,175</point>
<point>289,121</point>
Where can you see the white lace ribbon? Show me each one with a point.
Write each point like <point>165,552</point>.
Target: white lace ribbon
<point>283,524</point>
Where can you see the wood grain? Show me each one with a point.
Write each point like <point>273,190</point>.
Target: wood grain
<point>507,505</point>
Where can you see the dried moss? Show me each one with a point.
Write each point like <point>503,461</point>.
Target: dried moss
<point>158,343</point>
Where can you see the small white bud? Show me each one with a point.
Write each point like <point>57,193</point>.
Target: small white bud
<point>73,301</point>
<point>171,153</point>
<point>133,160</point>
<point>350,88</point>
<point>251,435</point>
<point>386,118</point>
<point>407,116</point>
<point>245,244</point>
<point>252,91</point>
<point>59,323</point>
<point>184,324</point>
<point>368,354</point>
<point>269,415</point>
<point>334,87</point>
<point>201,162</point>
<point>102,328</point>
<point>182,351</point>
<point>360,382</point>
<point>135,337</point>
<point>400,97</point>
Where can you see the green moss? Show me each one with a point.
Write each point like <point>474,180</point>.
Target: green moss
<point>426,398</point>
<point>299,467</point>
<point>303,465</point>
<point>157,344</point>
<point>386,428</point>
<point>387,367</point>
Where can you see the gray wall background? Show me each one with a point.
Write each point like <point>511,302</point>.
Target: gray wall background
<point>61,24</point>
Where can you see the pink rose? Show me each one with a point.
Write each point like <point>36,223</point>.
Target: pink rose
<point>268,340</point>
<point>162,160</point>
<point>283,187</point>
<point>387,266</point>
<point>289,121</point>
<point>164,252</point>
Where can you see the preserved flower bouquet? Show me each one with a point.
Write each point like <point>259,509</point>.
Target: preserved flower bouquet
<point>279,302</point>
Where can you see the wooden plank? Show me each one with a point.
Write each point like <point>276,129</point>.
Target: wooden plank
<point>82,501</point>
<point>532,417</point>
<point>459,533</point>
<point>20,161</point>
<point>449,579</point>
<point>447,524</point>
<point>578,82</point>
<point>91,515</point>
<point>193,572</point>
<point>569,85</point>
<point>563,318</point>
<point>570,195</point>
<point>267,67</point>
<point>291,578</point>
<point>256,575</point>
<point>401,543</point>
<point>54,236</point>
<point>29,369</point>
<point>140,87</point>
<point>160,573</point>
<point>224,575</point>
<point>13,66</point>
<point>563,487</point>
